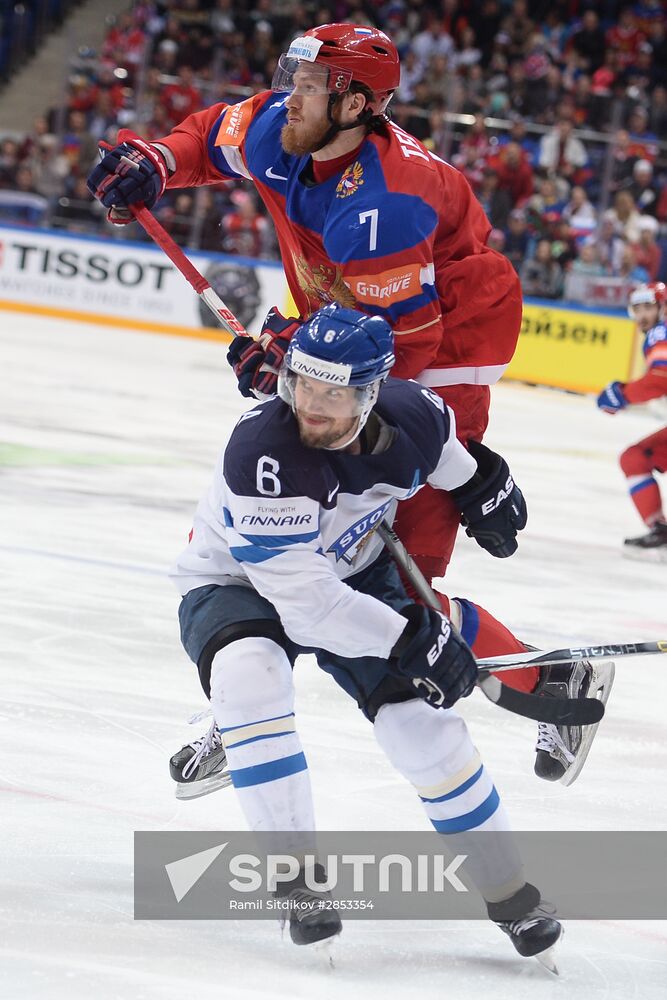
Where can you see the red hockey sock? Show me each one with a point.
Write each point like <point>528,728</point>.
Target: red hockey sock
<point>486,636</point>
<point>645,495</point>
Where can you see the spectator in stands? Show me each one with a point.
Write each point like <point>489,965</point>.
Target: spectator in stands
<point>432,41</point>
<point>657,39</point>
<point>103,114</point>
<point>244,228</point>
<point>477,139</point>
<point>437,81</point>
<point>588,262</point>
<point>643,141</point>
<point>519,28</point>
<point>626,216</point>
<point>9,161</point>
<point>541,275</point>
<point>519,134</point>
<point>642,188</point>
<point>468,54</point>
<point>50,168</point>
<point>517,238</point>
<point>648,253</point>
<point>624,38</point>
<point>495,201</point>
<point>412,72</point>
<point>536,66</point>
<point>609,243</point>
<point>658,110</point>
<point>630,270</point>
<point>562,152</point>
<point>78,145</point>
<point>624,157</point>
<point>182,98</point>
<point>579,212</point>
<point>486,28</point>
<point>518,91</point>
<point>588,42</point>
<point>515,174</point>
<point>583,102</point>
<point>413,117</point>
<point>78,211</point>
<point>546,201</point>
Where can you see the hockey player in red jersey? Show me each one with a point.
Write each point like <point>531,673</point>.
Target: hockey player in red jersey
<point>640,461</point>
<point>365,215</point>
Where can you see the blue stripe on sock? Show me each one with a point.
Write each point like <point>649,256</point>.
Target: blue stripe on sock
<point>457,791</point>
<point>469,620</point>
<point>257,722</point>
<point>469,820</point>
<point>642,486</point>
<point>253,739</point>
<point>259,774</point>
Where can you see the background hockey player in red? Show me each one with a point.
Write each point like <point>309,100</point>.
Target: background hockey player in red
<point>640,461</point>
<point>365,215</point>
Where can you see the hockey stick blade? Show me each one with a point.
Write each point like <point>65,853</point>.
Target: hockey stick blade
<point>557,711</point>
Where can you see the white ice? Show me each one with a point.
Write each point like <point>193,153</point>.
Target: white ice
<point>107,439</point>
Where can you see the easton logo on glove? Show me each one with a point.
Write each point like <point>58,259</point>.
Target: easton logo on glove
<point>440,643</point>
<point>503,494</point>
<point>492,505</point>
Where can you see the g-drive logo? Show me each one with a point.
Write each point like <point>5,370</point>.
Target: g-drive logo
<point>248,873</point>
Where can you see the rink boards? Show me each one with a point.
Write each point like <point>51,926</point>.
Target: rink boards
<point>127,284</point>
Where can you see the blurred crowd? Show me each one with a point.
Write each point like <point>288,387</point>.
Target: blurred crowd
<point>555,111</point>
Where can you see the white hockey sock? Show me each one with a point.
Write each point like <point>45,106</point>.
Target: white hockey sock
<point>433,750</point>
<point>252,698</point>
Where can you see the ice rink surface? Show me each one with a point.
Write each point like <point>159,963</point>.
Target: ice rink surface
<point>107,440</point>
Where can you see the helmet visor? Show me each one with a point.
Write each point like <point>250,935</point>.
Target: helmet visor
<point>294,75</point>
<point>323,399</point>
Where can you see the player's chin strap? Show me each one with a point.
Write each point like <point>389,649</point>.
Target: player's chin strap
<point>557,711</point>
<point>335,127</point>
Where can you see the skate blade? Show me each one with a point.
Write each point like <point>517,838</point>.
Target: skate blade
<point>548,960</point>
<point>326,950</point>
<point>196,789</point>
<point>656,555</point>
<point>600,688</point>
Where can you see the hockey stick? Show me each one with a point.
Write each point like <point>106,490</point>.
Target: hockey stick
<point>557,711</point>
<point>572,654</point>
<point>202,287</point>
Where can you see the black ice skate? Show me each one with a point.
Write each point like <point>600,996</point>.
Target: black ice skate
<point>530,925</point>
<point>561,751</point>
<point>652,546</point>
<point>311,915</point>
<point>201,766</point>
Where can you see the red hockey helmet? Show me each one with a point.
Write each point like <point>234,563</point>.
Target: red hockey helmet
<point>654,294</point>
<point>339,54</point>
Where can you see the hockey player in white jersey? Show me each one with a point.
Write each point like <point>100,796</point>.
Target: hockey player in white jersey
<point>283,559</point>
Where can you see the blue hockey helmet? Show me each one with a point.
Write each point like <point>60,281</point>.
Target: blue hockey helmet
<point>341,347</point>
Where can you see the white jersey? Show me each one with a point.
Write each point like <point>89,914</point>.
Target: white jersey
<point>296,522</point>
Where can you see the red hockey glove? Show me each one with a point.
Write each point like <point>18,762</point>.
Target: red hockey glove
<point>132,173</point>
<point>256,363</point>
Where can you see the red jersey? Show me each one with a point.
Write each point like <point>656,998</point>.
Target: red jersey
<point>397,232</point>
